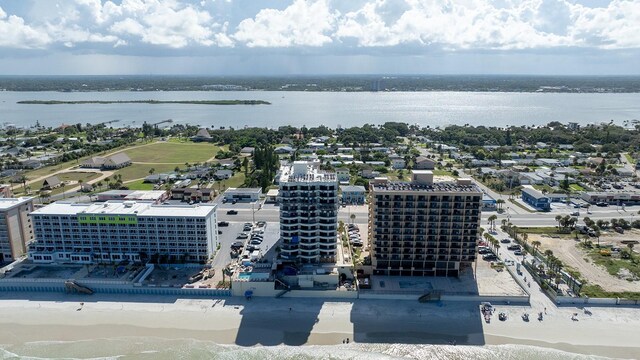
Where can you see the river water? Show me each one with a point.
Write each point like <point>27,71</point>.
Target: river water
<point>329,108</point>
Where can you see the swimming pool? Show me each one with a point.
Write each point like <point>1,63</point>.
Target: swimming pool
<point>244,276</point>
<point>415,285</point>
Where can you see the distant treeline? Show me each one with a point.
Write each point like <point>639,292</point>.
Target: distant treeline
<point>492,83</point>
<point>193,102</point>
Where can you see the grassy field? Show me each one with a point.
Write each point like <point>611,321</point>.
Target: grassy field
<point>236,181</point>
<point>71,178</point>
<point>139,185</point>
<point>173,152</point>
<point>595,291</point>
<point>576,187</point>
<point>140,171</point>
<point>613,265</point>
<point>629,158</point>
<point>541,230</point>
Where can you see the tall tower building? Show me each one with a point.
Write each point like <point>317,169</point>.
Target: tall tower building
<point>15,227</point>
<point>423,227</point>
<point>308,200</point>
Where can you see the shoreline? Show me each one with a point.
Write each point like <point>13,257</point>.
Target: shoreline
<point>261,322</point>
<point>150,102</point>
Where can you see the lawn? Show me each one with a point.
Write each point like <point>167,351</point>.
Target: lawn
<point>235,181</point>
<point>140,171</point>
<point>630,159</point>
<point>173,152</point>
<point>71,178</point>
<point>139,185</point>
<point>595,291</point>
<point>540,230</point>
<point>576,187</point>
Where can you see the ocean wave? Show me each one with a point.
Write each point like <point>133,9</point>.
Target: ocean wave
<point>159,349</point>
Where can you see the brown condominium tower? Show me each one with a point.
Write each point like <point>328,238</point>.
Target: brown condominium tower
<point>423,227</point>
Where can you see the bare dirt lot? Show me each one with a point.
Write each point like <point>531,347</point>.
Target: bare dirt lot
<point>567,250</point>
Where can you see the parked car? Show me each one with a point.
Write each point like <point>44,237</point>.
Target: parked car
<point>232,212</point>
<point>517,252</point>
<point>223,223</point>
<point>484,251</point>
<point>489,257</point>
<point>602,204</point>
<point>256,242</point>
<point>505,241</point>
<point>242,236</point>
<point>513,247</point>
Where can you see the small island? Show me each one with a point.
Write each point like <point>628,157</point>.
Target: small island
<point>153,102</point>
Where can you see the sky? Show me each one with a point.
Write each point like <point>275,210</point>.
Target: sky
<point>297,37</point>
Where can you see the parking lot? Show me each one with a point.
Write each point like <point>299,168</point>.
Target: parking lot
<point>230,234</point>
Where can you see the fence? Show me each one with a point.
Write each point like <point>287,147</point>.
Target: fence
<point>103,288</point>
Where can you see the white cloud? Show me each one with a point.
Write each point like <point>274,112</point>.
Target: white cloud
<point>413,26</point>
<point>303,23</point>
<point>17,34</point>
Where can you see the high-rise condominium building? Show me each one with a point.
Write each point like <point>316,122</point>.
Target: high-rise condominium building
<point>15,227</point>
<point>422,227</point>
<point>123,230</point>
<point>308,200</point>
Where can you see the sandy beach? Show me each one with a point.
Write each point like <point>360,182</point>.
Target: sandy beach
<point>610,332</point>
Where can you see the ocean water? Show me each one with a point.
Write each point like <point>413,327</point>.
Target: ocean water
<point>160,349</point>
<point>436,108</point>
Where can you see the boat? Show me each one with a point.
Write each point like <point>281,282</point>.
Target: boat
<point>525,317</point>
<point>502,316</point>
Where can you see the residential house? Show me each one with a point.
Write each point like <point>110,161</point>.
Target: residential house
<point>353,195</point>
<point>530,178</point>
<point>247,150</point>
<point>223,174</point>
<point>343,175</point>
<point>397,162</point>
<point>284,150</point>
<point>424,163</point>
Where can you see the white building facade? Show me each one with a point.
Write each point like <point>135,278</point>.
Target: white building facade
<point>123,230</point>
<point>308,200</point>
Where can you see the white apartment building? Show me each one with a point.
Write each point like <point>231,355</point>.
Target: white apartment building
<point>308,200</point>
<point>123,230</point>
<point>15,227</point>
<point>423,227</point>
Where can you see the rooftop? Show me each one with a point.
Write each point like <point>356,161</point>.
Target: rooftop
<point>443,186</point>
<point>8,203</point>
<point>138,208</point>
<point>302,171</point>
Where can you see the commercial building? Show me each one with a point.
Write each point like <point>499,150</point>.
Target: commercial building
<point>242,194</point>
<point>155,196</point>
<point>489,203</point>
<point>423,227</point>
<point>536,199</point>
<point>308,200</point>
<point>15,227</point>
<point>116,161</point>
<point>614,198</point>
<point>353,195</point>
<point>123,230</point>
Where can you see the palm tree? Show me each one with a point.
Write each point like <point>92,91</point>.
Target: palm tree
<point>525,237</point>
<point>492,220</point>
<point>353,218</point>
<point>536,244</point>
<point>558,218</point>
<point>500,202</point>
<point>23,179</point>
<point>151,171</point>
<point>630,246</point>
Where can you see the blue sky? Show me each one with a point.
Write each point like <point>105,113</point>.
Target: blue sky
<point>280,37</point>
